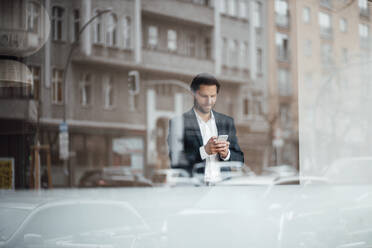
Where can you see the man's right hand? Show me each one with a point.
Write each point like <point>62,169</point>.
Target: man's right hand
<point>212,147</point>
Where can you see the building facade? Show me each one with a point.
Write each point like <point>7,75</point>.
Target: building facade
<point>130,73</point>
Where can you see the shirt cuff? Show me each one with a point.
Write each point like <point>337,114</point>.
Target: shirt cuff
<point>203,153</point>
<point>227,157</point>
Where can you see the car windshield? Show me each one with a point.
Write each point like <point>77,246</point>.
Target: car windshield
<point>208,120</point>
<point>10,220</point>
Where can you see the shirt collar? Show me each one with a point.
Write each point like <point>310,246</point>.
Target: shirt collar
<point>200,119</point>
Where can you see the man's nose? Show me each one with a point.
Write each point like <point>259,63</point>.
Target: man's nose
<point>210,100</point>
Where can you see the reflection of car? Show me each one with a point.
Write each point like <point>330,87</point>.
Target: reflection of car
<point>248,180</point>
<point>292,180</point>
<point>173,177</point>
<point>229,170</point>
<point>72,223</point>
<point>113,177</point>
<point>355,170</point>
<point>280,170</point>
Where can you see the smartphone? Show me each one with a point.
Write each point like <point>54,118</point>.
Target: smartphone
<point>222,137</point>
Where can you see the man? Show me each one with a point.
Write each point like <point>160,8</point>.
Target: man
<point>192,138</point>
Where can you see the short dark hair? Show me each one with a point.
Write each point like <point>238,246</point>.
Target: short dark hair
<point>204,79</point>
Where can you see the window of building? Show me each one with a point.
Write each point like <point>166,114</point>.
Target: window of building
<point>201,2</point>
<point>363,4</point>
<point>363,31</point>
<point>246,104</point>
<point>57,87</point>
<point>127,32</point>
<point>172,40</point>
<point>223,6</point>
<point>111,30</point>
<point>345,55</point>
<point>58,15</point>
<point>243,9</point>
<point>326,50</point>
<point>76,27</point>
<point>306,15</point>
<point>244,55</point>
<point>97,30</point>
<point>86,90</point>
<point>33,17</point>
<point>282,46</point>
<point>282,13</point>
<point>308,48</point>
<point>225,51</point>
<point>232,7</point>
<point>364,35</point>
<point>257,14</point>
<point>257,106</point>
<point>325,24</point>
<point>152,41</point>
<point>232,53</point>
<point>281,7</point>
<point>285,115</point>
<point>343,25</point>
<point>108,92</point>
<point>36,77</point>
<point>191,45</point>
<point>259,61</point>
<point>284,84</point>
<point>207,48</point>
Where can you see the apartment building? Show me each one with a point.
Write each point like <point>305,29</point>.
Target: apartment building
<point>130,73</point>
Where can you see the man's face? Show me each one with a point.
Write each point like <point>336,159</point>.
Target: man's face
<point>205,98</point>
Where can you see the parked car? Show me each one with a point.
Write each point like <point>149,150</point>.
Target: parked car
<point>113,177</point>
<point>351,170</point>
<point>173,177</point>
<point>229,170</point>
<point>66,222</point>
<point>280,170</point>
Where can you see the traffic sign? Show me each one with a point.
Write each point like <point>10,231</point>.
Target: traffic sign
<point>63,141</point>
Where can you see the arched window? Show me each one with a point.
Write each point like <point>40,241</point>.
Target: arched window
<point>98,26</point>
<point>58,26</point>
<point>33,17</point>
<point>127,32</point>
<point>111,30</point>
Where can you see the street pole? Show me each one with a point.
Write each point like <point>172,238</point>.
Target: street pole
<point>66,163</point>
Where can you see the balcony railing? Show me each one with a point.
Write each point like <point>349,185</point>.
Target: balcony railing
<point>364,12</point>
<point>283,54</point>
<point>326,3</point>
<point>365,43</point>
<point>282,20</point>
<point>326,33</point>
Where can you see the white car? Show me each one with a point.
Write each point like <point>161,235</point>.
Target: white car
<point>351,170</point>
<point>280,170</point>
<point>229,170</point>
<point>173,177</point>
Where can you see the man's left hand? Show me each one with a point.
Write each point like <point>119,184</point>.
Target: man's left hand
<point>223,148</point>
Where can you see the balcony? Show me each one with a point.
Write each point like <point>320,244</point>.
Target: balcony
<point>364,12</point>
<point>18,108</point>
<point>19,42</point>
<point>167,61</point>
<point>282,21</point>
<point>283,54</point>
<point>326,33</point>
<point>365,43</point>
<point>326,3</point>
<point>185,11</point>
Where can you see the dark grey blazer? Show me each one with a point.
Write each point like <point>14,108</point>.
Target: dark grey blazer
<point>184,139</point>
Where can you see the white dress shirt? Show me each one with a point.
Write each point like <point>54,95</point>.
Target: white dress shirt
<point>208,129</point>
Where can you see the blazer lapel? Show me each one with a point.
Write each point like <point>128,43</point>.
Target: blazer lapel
<point>192,126</point>
<point>218,122</point>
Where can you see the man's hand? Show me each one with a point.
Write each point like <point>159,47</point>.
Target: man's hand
<point>223,148</point>
<point>213,147</point>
